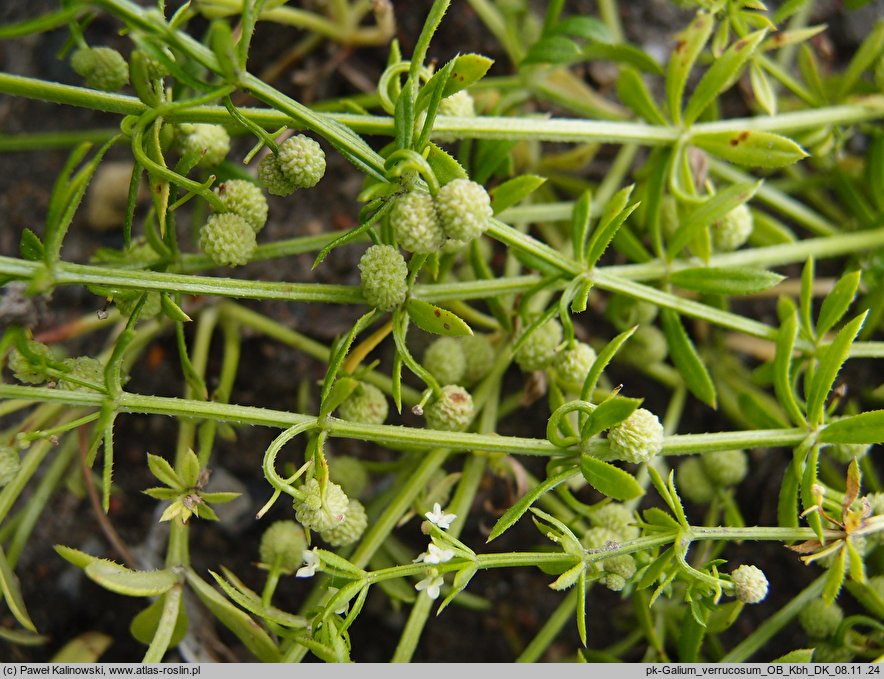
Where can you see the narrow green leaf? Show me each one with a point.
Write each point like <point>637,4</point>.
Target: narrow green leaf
<point>515,512</point>
<point>144,625</point>
<point>837,302</point>
<point>75,556</point>
<point>656,568</point>
<point>444,166</point>
<point>710,211</point>
<point>190,469</point>
<point>809,68</point>
<point>855,565</point>
<point>514,191</point>
<point>754,148</point>
<point>461,580</point>
<point>580,216</point>
<point>343,387</point>
<point>436,320</point>
<point>675,501</point>
<point>609,480</point>
<point>30,246</point>
<point>12,593</point>
<point>119,579</point>
<point>863,59</point>
<point>163,471</point>
<point>656,517</point>
<point>830,361</point>
<point>633,92</point>
<point>801,655</point>
<point>685,357</point>
<point>805,298</point>
<point>245,629</point>
<point>588,28</point>
<point>723,73</point>
<point>221,42</point>
<point>725,280</point>
<point>783,368</point>
<point>601,362</point>
<point>623,53</point>
<point>167,625</point>
<point>581,608</point>
<point>874,170</point>
<point>761,88</point>
<point>607,414</point>
<point>863,428</point>
<point>795,37</point>
<point>251,601</point>
<point>613,216</point>
<point>466,70</point>
<point>569,578</point>
<point>553,49</point>
<point>331,561</point>
<point>835,577</point>
<point>688,46</point>
<point>172,310</point>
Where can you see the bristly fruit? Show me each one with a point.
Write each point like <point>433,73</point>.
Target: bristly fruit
<point>384,277</point>
<point>243,198</point>
<point>228,239</point>
<point>283,541</point>
<point>732,230</point>
<point>539,349</point>
<point>102,68</point>
<point>366,405</point>
<point>317,513</point>
<point>272,177</point>
<point>638,438</point>
<point>750,584</point>
<point>350,529</point>
<point>464,209</point>
<point>209,143</point>
<point>445,360</point>
<point>416,224</point>
<point>302,161</point>
<point>452,411</point>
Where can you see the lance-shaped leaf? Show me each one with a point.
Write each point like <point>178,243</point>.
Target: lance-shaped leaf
<point>863,428</point>
<point>838,301</point>
<point>251,601</point>
<point>613,216</point>
<point>710,211</point>
<point>580,215</point>
<point>553,49</point>
<point>343,387</point>
<point>609,480</point>
<point>436,320</point>
<point>753,148</point>
<point>466,70</point>
<point>238,622</point>
<point>761,88</point>
<point>601,362</point>
<point>685,357</point>
<point>514,191</point>
<point>12,594</point>
<point>163,471</point>
<point>515,512</point>
<point>461,580</point>
<point>119,579</point>
<point>830,361</point>
<point>632,91</point>
<point>723,73</point>
<point>607,414</point>
<point>688,46</point>
<point>783,367</point>
<point>735,280</point>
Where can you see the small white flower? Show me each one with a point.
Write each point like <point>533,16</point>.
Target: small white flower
<point>435,555</point>
<point>438,517</point>
<point>431,583</point>
<point>311,563</point>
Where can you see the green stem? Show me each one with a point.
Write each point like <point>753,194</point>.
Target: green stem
<point>550,630</point>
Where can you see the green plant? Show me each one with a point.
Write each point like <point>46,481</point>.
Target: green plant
<point>660,296</point>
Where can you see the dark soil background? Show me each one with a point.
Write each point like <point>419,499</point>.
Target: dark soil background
<point>64,604</point>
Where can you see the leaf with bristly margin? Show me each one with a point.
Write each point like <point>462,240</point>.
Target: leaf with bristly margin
<point>552,49</point>
<point>569,578</point>
<point>634,93</point>
<point>515,512</point>
<point>723,73</point>
<point>623,53</point>
<point>656,568</point>
<point>688,46</point>
<point>862,60</point>
<point>753,148</point>
<point>581,607</point>
<point>607,414</point>
<point>467,70</point>
<point>436,320</point>
<point>514,191</point>
<point>733,280</point>
<point>340,392</point>
<point>238,622</point>
<point>657,520</point>
<point>805,298</point>
<point>30,246</point>
<point>863,428</point>
<point>9,586</point>
<point>615,213</point>
<point>783,388</point>
<point>761,88</point>
<point>144,625</point>
<point>801,655</point>
<point>190,469</point>
<point>784,38</point>
<point>601,362</point>
<point>163,471</point>
<point>830,361</point>
<point>580,216</point>
<point>837,302</point>
<point>75,556</point>
<point>251,602</point>
<point>787,500</point>
<point>461,580</point>
<point>710,211</point>
<point>835,577</point>
<point>685,357</point>
<point>119,579</point>
<point>609,480</point>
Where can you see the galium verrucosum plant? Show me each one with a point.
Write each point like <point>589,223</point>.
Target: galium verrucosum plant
<point>588,321</point>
